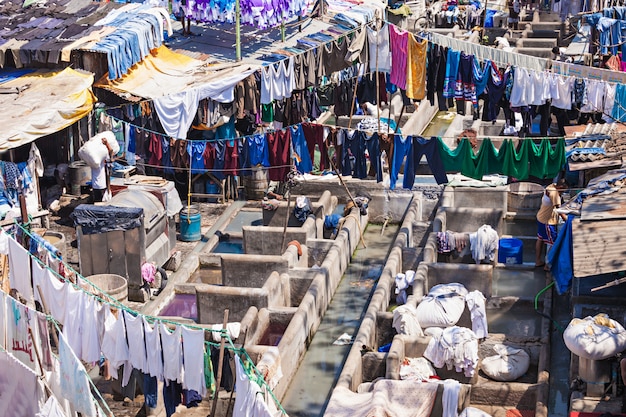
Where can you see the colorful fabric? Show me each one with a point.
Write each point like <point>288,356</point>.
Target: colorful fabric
<point>416,68</point>
<point>541,161</point>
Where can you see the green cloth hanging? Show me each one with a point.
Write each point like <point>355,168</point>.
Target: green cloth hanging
<point>541,161</point>
<point>546,162</point>
<point>209,377</point>
<point>460,159</point>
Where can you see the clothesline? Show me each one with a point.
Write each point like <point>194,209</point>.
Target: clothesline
<point>112,302</point>
<point>354,129</point>
<point>38,354</point>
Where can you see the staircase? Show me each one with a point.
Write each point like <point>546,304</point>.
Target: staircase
<point>541,32</point>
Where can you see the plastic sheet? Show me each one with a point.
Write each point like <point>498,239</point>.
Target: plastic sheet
<point>101,219</point>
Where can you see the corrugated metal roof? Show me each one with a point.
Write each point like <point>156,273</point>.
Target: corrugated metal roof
<point>599,247</point>
<point>605,207</point>
<point>599,145</point>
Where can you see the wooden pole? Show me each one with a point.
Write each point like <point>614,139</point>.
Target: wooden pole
<point>219,366</point>
<point>376,75</point>
<point>356,83</point>
<point>282,246</point>
<point>238,30</point>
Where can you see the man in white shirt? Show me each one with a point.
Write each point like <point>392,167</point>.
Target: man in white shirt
<point>99,177</point>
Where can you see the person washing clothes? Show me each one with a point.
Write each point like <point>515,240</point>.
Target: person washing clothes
<point>99,176</point>
<point>548,219</point>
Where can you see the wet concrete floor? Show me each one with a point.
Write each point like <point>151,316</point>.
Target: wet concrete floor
<point>312,385</point>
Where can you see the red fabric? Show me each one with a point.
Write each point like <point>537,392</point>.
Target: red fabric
<point>231,158</point>
<point>156,151</point>
<point>279,143</point>
<point>209,156</point>
<point>314,135</point>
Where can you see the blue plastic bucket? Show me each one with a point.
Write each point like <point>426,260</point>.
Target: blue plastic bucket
<point>212,187</point>
<point>510,251</point>
<point>190,224</point>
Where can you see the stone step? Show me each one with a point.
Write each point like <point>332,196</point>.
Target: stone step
<point>542,16</point>
<point>536,43</point>
<point>538,52</point>
<point>542,34</point>
<point>546,25</point>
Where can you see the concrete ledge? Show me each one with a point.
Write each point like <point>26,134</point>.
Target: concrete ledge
<point>250,271</point>
<point>488,197</point>
<point>212,300</point>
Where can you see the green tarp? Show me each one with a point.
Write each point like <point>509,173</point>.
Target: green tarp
<point>530,159</point>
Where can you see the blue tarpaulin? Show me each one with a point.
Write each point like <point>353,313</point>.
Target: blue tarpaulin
<point>560,258</point>
<point>11,74</point>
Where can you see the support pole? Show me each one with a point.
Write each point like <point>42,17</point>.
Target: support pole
<point>220,365</point>
<point>238,30</point>
<point>376,75</point>
<point>282,31</point>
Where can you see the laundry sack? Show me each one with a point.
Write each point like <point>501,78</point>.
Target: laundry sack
<point>93,152</point>
<point>595,338</point>
<point>508,364</point>
<point>405,321</point>
<point>443,306</point>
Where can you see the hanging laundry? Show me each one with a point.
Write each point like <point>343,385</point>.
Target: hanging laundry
<point>542,161</point>
<point>416,68</point>
<point>357,50</point>
<point>19,271</point>
<point>452,70</point>
<point>172,350</point>
<point>465,89</point>
<point>402,148</point>
<point>373,150</point>
<point>193,360</point>
<point>136,341</point>
<point>481,76</point>
<point>277,81</point>
<point>354,162</point>
<point>522,90</point>
<point>20,341</point>
<point>399,42</point>
<point>314,135</point>
<point>563,88</point>
<point>115,346</point>
<point>424,147</point>
<point>248,402</point>
<point>301,156</point>
<point>279,143</point>
<point>331,56</point>
<point>74,380</point>
<point>380,55</point>
<point>495,87</point>
<point>22,393</point>
<point>436,77</point>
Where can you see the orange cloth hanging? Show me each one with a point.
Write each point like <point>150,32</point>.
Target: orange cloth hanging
<point>416,68</point>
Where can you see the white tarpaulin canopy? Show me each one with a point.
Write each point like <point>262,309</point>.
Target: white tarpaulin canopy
<point>176,83</point>
<point>41,103</point>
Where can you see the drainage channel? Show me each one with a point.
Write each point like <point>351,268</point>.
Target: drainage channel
<point>312,385</point>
